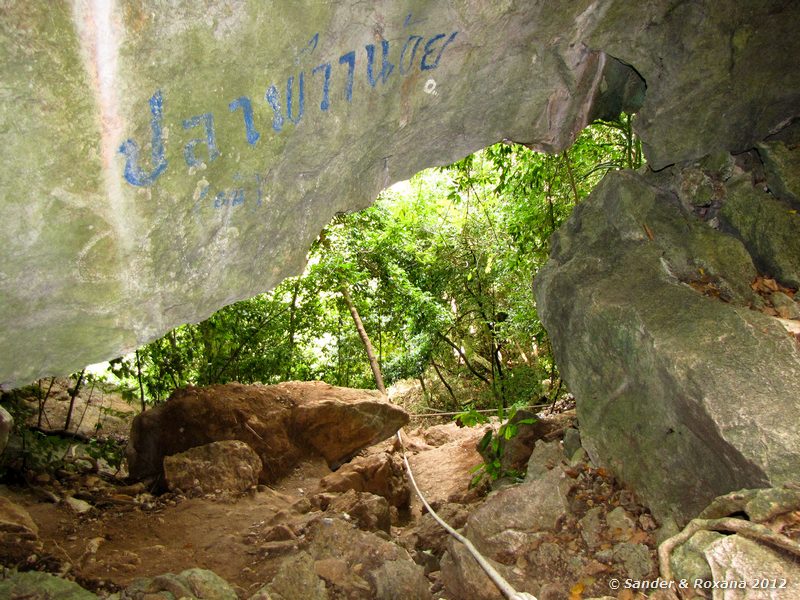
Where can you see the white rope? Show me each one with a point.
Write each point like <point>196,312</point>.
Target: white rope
<point>503,585</point>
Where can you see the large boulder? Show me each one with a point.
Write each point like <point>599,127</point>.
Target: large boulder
<point>683,391</point>
<point>282,423</point>
<point>151,152</point>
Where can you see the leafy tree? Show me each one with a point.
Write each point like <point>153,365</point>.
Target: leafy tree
<point>437,272</point>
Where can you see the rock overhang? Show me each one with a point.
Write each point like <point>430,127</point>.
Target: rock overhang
<point>161,164</point>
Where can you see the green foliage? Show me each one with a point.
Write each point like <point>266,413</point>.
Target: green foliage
<point>110,450</point>
<point>492,445</point>
<point>440,271</point>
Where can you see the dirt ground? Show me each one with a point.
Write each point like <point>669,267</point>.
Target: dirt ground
<point>139,535</point>
<point>128,533</point>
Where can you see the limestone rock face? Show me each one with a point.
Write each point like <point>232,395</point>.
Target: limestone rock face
<point>230,466</point>
<point>682,391</point>
<point>272,420</point>
<point>162,162</point>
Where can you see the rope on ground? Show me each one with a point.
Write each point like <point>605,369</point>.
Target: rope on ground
<point>503,585</point>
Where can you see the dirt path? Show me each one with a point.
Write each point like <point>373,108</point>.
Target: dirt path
<point>143,536</point>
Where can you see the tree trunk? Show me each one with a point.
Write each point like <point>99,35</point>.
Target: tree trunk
<point>362,333</point>
<point>43,401</point>
<point>444,381</point>
<point>139,377</point>
<point>292,329</point>
<point>73,393</point>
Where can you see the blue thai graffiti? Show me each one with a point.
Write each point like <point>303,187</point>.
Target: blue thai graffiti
<point>401,63</point>
<point>300,99</point>
<point>399,58</point>
<point>386,66</point>
<point>250,132</point>
<point>207,120</point>
<point>350,59</point>
<point>273,98</point>
<point>134,174</point>
<point>429,49</point>
<point>325,68</point>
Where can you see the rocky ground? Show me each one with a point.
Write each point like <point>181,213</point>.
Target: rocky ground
<point>568,530</point>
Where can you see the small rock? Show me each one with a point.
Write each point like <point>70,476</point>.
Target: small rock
<point>591,525</point>
<point>436,436</point>
<point>605,556</point>
<point>635,559</point>
<point>335,571</point>
<point>786,307</point>
<point>42,478</point>
<point>572,441</point>
<point>526,508</point>
<point>647,522</point>
<point>200,584</point>
<point>79,506</point>
<point>370,512</point>
<point>429,535</point>
<point>554,591</point>
<point>620,524</point>
<point>19,535</point>
<point>548,553</point>
<point>297,579</point>
<point>545,456</point>
<point>6,424</point>
<point>576,564</point>
<point>579,457</point>
<point>207,585</point>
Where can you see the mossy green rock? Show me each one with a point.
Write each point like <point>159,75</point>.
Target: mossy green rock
<point>33,585</point>
<point>163,161</point>
<point>769,228</point>
<point>683,396</point>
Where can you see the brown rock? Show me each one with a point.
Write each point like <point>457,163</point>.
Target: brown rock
<point>368,511</point>
<point>366,556</point>
<point>463,577</point>
<point>281,423</point>
<point>429,535</point>
<point>502,524</point>
<point>228,466</point>
<point>381,474</point>
<point>297,579</point>
<point>400,580</point>
<point>326,418</point>
<point>19,535</point>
